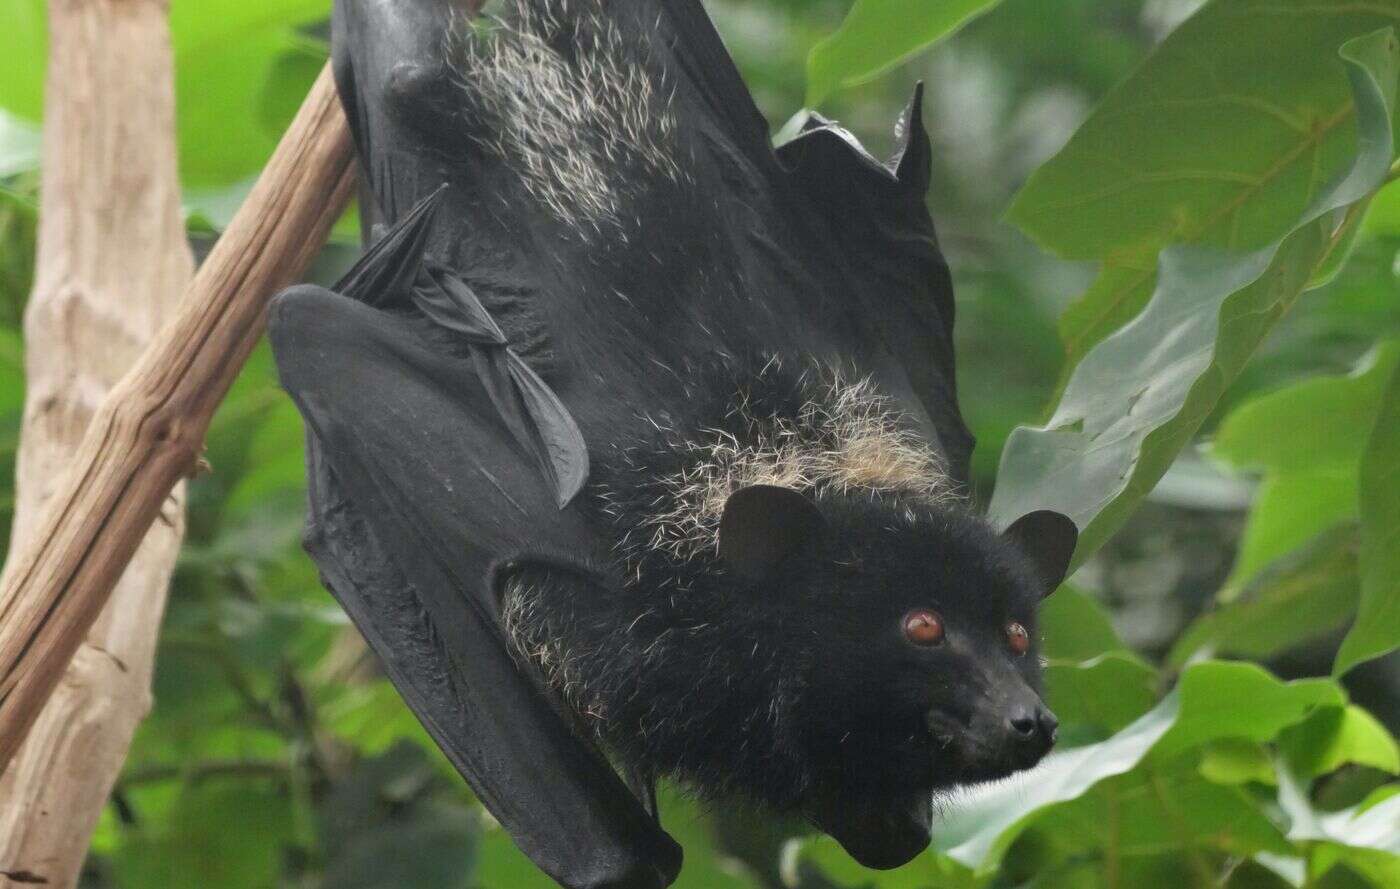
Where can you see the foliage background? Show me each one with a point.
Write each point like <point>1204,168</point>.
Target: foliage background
<point>1210,735</point>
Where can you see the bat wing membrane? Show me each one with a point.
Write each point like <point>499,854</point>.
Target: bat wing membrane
<point>417,491</point>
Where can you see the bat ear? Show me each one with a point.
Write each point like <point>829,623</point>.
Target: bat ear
<point>913,159</point>
<point>762,525</point>
<point>1049,538</point>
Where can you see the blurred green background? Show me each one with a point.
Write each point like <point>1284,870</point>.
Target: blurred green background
<point>277,756</point>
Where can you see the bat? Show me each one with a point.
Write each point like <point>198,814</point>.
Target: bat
<point>633,439</point>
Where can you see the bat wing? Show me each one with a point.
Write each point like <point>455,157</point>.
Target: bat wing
<point>419,490</point>
<point>860,224</point>
<point>815,249</point>
<point>875,223</point>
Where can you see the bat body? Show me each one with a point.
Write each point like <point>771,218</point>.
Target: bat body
<point>631,432</point>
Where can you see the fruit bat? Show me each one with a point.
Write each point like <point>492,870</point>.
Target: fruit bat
<point>634,440</point>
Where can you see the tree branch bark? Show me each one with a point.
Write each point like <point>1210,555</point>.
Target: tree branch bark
<point>149,430</point>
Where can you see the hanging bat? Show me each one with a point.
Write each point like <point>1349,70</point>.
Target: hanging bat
<point>633,439</point>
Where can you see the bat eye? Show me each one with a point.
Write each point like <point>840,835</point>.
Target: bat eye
<point>923,627</point>
<point>1017,638</point>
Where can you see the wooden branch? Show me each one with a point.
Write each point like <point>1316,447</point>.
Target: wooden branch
<point>112,264</point>
<point>150,430</point>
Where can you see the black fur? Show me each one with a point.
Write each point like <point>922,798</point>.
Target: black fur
<point>587,253</point>
<point>801,687</point>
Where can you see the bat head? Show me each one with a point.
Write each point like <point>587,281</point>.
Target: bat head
<point>915,628</point>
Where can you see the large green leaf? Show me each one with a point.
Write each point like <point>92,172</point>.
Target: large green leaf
<point>1107,692</point>
<point>1365,837</point>
<point>1288,511</point>
<point>1377,627</point>
<point>1384,216</point>
<point>1226,699</point>
<point>1312,472</point>
<point>1214,700</point>
<point>1154,809</point>
<point>1337,736</point>
<point>1296,576</point>
<point>1138,397</point>
<point>1075,628</point>
<point>879,34</point>
<point>1223,136</point>
<point>1307,593</point>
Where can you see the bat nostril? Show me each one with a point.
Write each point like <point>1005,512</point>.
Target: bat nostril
<point>1023,725</point>
<point>1032,725</point>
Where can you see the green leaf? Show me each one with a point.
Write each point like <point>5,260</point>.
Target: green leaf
<point>1307,593</point>
<point>1375,827</point>
<point>1344,242</point>
<point>1337,736</point>
<point>1384,216</point>
<point>1377,627</point>
<point>1312,473</point>
<point>1073,627</point>
<point>1122,288</point>
<point>1140,395</point>
<point>1225,699</point>
<point>1233,761</point>
<point>1109,691</point>
<point>1213,700</point>
<point>879,34</point>
<point>1287,512</point>
<point>1222,136</point>
<point>1151,810</point>
<point>1320,415</point>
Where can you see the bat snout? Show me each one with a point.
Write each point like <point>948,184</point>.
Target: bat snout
<point>1030,730</point>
